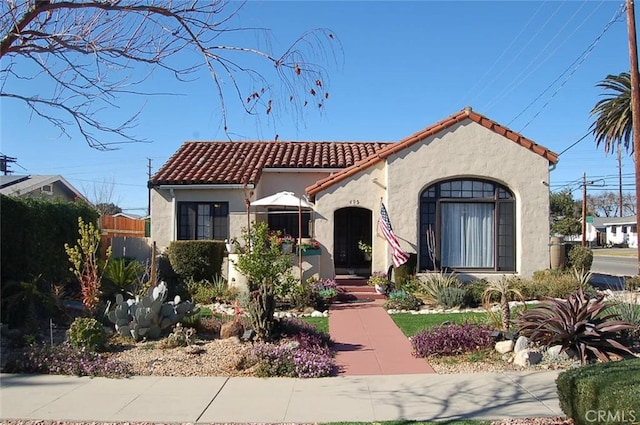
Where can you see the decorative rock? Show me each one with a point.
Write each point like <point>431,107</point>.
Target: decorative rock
<point>504,347</point>
<point>554,350</point>
<point>231,329</point>
<point>317,313</point>
<point>522,343</point>
<point>308,310</point>
<point>527,357</point>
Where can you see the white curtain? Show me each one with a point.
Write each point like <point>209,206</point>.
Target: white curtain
<point>467,235</point>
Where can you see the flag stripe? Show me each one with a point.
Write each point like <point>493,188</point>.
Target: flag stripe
<point>398,256</point>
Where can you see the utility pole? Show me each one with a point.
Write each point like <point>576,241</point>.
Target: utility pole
<point>4,164</point>
<point>635,104</point>
<point>584,209</point>
<point>619,179</point>
<point>148,188</point>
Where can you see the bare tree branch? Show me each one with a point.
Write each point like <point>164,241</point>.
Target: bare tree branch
<point>95,52</point>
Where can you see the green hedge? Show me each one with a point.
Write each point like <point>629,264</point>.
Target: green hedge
<point>196,259</point>
<point>601,393</point>
<point>34,232</point>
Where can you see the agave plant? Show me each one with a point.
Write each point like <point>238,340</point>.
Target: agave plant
<point>432,284</point>
<point>578,324</point>
<point>505,288</point>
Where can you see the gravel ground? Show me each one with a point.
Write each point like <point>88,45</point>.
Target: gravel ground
<point>219,357</point>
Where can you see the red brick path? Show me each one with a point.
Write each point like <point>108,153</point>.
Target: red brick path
<point>369,343</point>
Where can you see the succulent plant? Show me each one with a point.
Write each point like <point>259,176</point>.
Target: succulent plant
<point>576,323</point>
<point>147,316</point>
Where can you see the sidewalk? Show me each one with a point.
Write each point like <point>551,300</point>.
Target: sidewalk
<point>345,398</point>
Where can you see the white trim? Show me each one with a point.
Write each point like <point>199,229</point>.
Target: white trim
<point>203,186</point>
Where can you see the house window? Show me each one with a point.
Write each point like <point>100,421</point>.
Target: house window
<point>614,230</point>
<point>203,220</point>
<point>287,222</point>
<point>624,229</point>
<point>467,224</point>
<point>633,229</point>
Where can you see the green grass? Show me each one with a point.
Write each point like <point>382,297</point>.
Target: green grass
<point>462,422</point>
<point>411,324</point>
<point>321,323</point>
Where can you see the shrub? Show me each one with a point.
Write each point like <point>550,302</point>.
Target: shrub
<point>24,303</point>
<point>627,312</point>
<point>196,259</point>
<point>64,359</point>
<point>474,291</point>
<point>84,259</point>
<point>433,283</point>
<point>577,324</point>
<point>632,283</point>
<point>303,296</point>
<point>303,354</point>
<point>402,300</point>
<point>122,274</point>
<point>206,292</point>
<point>451,297</point>
<point>552,283</point>
<point>34,232</point>
<point>447,340</point>
<point>611,388</point>
<point>404,273</point>
<point>264,265</point>
<point>180,337</point>
<point>87,334</point>
<point>580,257</point>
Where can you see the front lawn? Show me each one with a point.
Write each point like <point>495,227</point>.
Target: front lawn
<point>411,324</point>
<point>321,323</point>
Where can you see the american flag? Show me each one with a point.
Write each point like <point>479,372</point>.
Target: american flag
<point>399,257</point>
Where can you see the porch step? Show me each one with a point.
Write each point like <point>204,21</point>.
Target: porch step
<point>356,288</point>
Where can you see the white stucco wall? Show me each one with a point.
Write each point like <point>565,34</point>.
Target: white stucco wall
<point>164,222</point>
<point>464,150</point>
<point>360,190</point>
<point>164,209</point>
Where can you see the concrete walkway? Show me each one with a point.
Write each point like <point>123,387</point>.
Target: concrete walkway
<point>368,342</point>
<point>237,400</point>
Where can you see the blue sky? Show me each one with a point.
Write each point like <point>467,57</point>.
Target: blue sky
<point>402,66</point>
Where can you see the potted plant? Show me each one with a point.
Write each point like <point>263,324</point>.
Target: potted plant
<point>366,250</point>
<point>287,242</point>
<point>310,247</point>
<point>380,281</point>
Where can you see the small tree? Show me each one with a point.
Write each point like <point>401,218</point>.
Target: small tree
<point>84,258</point>
<point>564,214</point>
<point>264,264</point>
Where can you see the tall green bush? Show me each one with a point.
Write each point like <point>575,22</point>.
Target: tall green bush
<point>196,260</point>
<point>580,257</point>
<point>264,264</point>
<point>601,393</point>
<point>34,232</point>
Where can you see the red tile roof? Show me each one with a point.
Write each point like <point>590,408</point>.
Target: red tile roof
<point>428,132</point>
<point>243,162</point>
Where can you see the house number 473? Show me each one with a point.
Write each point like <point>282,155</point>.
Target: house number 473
<point>354,202</point>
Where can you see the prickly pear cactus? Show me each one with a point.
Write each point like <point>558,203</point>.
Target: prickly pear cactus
<point>147,316</point>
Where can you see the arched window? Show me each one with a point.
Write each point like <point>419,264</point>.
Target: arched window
<point>467,224</point>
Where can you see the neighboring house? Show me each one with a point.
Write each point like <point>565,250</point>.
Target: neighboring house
<point>46,187</point>
<point>478,190</point>
<point>622,231</point>
<point>596,234</point>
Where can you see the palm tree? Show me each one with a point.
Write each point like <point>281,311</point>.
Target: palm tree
<point>613,123</point>
<point>505,288</point>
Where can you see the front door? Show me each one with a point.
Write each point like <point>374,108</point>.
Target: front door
<point>351,225</point>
